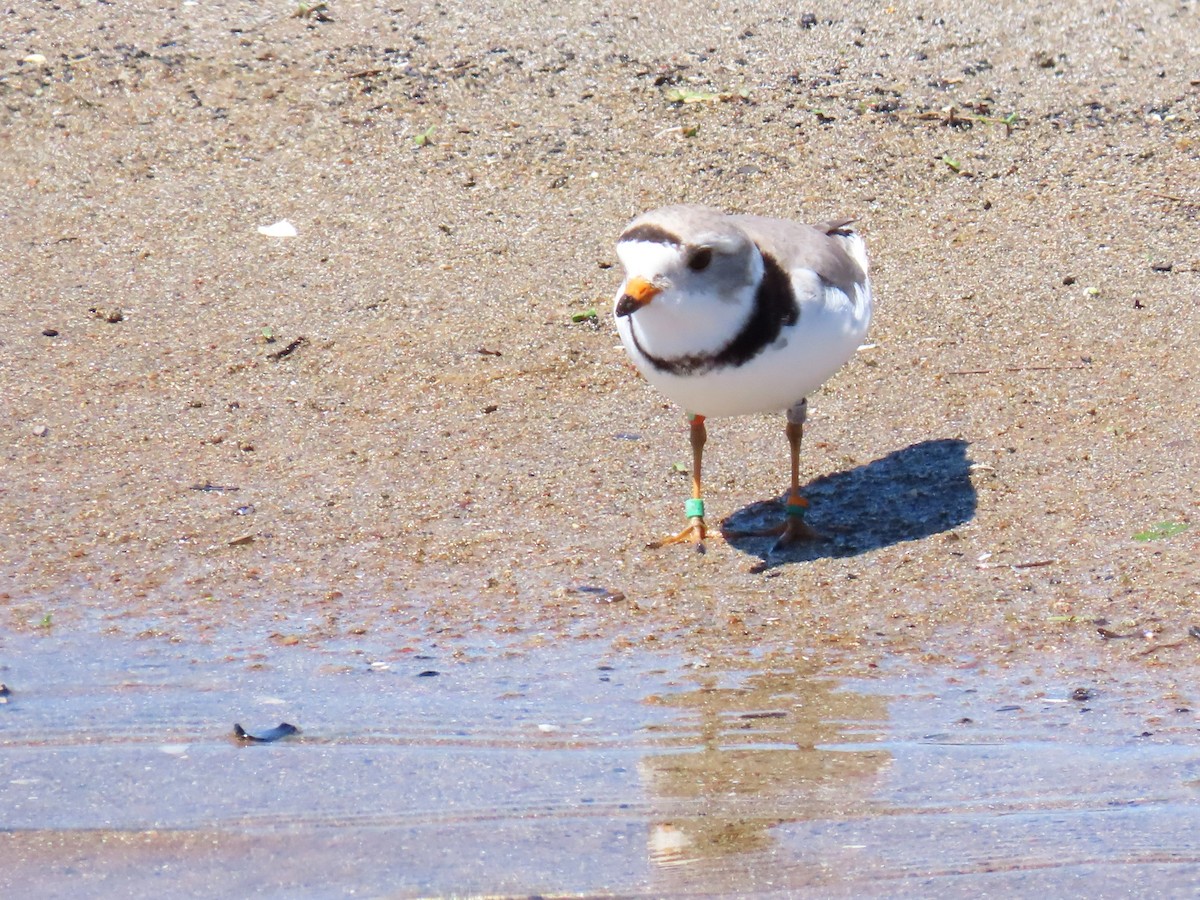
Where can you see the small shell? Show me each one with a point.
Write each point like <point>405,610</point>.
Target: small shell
<point>282,229</point>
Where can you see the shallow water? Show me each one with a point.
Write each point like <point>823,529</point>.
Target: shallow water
<point>570,768</point>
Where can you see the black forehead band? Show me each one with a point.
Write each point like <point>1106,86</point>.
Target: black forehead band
<point>651,234</point>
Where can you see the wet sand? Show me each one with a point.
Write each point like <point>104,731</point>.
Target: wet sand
<point>573,769</point>
<point>389,431</point>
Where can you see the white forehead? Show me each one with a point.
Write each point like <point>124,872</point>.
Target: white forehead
<point>646,257</point>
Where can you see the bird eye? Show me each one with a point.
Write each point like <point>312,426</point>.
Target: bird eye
<point>699,260</point>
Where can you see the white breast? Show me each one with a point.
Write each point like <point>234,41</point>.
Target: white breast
<point>830,329</point>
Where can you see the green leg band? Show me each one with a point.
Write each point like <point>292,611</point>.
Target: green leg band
<point>797,510</point>
<point>694,508</point>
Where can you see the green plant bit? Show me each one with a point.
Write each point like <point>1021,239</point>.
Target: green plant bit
<point>1162,530</point>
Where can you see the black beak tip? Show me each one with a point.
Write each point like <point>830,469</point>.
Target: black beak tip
<point>627,306</point>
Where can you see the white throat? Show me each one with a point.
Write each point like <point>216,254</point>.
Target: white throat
<point>689,316</point>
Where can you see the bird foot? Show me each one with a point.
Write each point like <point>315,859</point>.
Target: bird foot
<point>694,533</point>
<point>794,531</point>
<point>789,532</point>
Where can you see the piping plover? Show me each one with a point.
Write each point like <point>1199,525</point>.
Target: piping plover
<point>730,315</point>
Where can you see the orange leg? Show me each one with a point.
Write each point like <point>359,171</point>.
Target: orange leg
<point>696,530</point>
<point>793,528</point>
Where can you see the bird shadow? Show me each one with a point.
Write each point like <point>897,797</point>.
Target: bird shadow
<point>909,494</point>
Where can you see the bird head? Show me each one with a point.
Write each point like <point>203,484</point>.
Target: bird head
<point>685,258</point>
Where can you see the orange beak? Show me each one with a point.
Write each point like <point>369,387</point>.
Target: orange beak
<point>638,292</point>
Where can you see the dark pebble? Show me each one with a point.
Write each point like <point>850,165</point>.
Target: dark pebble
<point>50,332</point>
<point>808,20</point>
<point>1081,694</point>
<point>282,730</point>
